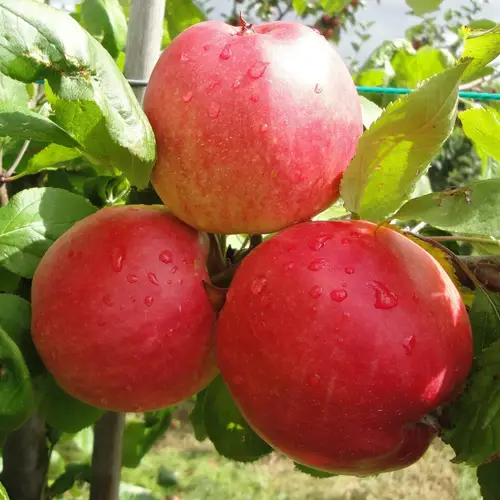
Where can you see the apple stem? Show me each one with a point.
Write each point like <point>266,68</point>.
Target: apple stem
<point>245,27</point>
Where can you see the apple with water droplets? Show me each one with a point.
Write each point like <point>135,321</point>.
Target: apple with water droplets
<point>338,339</point>
<point>120,315</point>
<point>254,125</point>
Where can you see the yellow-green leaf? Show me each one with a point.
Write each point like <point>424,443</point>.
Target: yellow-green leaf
<point>397,149</point>
<point>482,127</point>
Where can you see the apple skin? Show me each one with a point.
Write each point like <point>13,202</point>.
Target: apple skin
<point>337,338</point>
<point>120,315</point>
<point>253,132</point>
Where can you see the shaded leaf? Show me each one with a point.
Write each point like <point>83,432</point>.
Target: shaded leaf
<point>483,46</point>
<point>485,319</point>
<point>227,429</point>
<point>16,394</point>
<point>488,477</point>
<point>471,210</point>
<point>20,122</point>
<point>181,14</point>
<point>312,472</point>
<point>8,281</point>
<point>106,19</point>
<point>475,417</point>
<point>32,221</point>
<point>197,417</point>
<point>66,481</point>
<point>482,127</point>
<point>397,149</point>
<point>62,411</point>
<point>91,99</point>
<point>15,320</point>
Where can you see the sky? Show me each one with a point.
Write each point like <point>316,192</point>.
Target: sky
<point>391,20</point>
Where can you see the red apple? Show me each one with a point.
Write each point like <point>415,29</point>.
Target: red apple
<point>254,125</point>
<point>120,315</point>
<point>337,339</point>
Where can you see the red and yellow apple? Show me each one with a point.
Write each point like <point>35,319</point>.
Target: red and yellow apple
<point>120,315</point>
<point>337,339</point>
<point>254,125</point>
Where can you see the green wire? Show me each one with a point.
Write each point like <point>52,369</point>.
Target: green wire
<point>476,96</point>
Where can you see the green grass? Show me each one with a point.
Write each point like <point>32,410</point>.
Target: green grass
<point>204,475</point>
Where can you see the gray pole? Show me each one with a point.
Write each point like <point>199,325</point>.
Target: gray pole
<point>144,40</point>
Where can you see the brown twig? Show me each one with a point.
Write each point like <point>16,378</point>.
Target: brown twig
<point>4,195</point>
<point>470,239</point>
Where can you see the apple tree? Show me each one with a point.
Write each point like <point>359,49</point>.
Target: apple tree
<point>258,237</point>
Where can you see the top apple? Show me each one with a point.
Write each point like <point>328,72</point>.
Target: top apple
<point>254,125</point>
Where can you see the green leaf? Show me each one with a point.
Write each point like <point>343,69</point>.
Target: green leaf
<point>66,481</point>
<point>475,417</point>
<point>397,149</point>
<point>181,14</point>
<point>32,221</point>
<point>197,417</point>
<point>62,411</point>
<point>227,429</point>
<point>49,158</point>
<point>106,19</point>
<point>299,6</point>
<point>485,319</point>
<point>413,68</point>
<point>482,127</point>
<point>91,99</point>
<point>16,393</point>
<point>8,281</point>
<point>370,111</point>
<point>488,477</point>
<point>421,7</point>
<point>3,493</point>
<point>139,437</point>
<point>13,92</point>
<point>373,78</point>
<point>483,46</point>
<point>15,320</point>
<point>471,210</point>
<point>312,472</point>
<point>333,6</point>
<point>18,121</point>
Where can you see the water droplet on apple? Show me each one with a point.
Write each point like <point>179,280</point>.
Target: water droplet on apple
<point>132,278</point>
<point>317,264</point>
<point>409,344</point>
<point>117,259</point>
<point>133,300</point>
<point>258,69</point>
<point>288,266</point>
<point>318,89</point>
<point>238,379</point>
<point>187,97</point>
<point>266,300</point>
<point>295,176</point>
<point>71,254</point>
<point>384,298</point>
<point>344,284</point>
<point>236,84</point>
<point>349,270</point>
<point>415,297</point>
<point>264,127</point>
<point>314,379</point>
<point>153,279</point>
<point>101,322</point>
<point>316,292</point>
<point>149,301</point>
<point>254,98</point>
<point>258,285</point>
<point>345,241</point>
<point>226,52</point>
<point>346,315</point>
<point>338,295</point>
<point>212,86</point>
<point>107,300</point>
<point>213,110</point>
<point>184,57</point>
<point>166,256</point>
<point>174,269</point>
<point>319,242</point>
<point>316,31</point>
<point>206,48</point>
<point>169,282</point>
